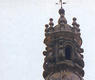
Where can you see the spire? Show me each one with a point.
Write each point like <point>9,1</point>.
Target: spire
<point>62,19</point>
<point>61,10</point>
<point>63,59</point>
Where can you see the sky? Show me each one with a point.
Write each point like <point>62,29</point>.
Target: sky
<point>22,34</point>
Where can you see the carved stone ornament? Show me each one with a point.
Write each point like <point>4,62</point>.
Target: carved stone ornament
<point>63,59</point>
<point>64,76</point>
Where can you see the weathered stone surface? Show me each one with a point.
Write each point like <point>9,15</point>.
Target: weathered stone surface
<point>63,58</point>
<point>64,76</point>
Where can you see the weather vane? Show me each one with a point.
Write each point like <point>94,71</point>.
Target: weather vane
<point>61,3</point>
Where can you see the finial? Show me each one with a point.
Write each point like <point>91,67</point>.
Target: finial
<point>46,30</point>
<point>61,3</point>
<point>74,22</point>
<point>76,25</point>
<point>46,25</point>
<point>61,11</point>
<point>74,19</point>
<point>51,22</point>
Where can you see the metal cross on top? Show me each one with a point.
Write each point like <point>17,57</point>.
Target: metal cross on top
<point>61,2</point>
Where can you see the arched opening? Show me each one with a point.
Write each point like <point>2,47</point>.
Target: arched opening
<point>68,51</point>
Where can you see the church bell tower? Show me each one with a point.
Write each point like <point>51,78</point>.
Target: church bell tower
<point>63,54</point>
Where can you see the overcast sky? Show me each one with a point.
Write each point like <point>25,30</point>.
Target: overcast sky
<point>22,34</point>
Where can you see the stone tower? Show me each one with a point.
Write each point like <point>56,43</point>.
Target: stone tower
<point>63,55</point>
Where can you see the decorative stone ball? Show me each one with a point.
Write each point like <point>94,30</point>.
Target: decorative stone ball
<point>74,19</point>
<point>46,25</point>
<point>44,53</point>
<point>51,19</point>
<point>61,11</point>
